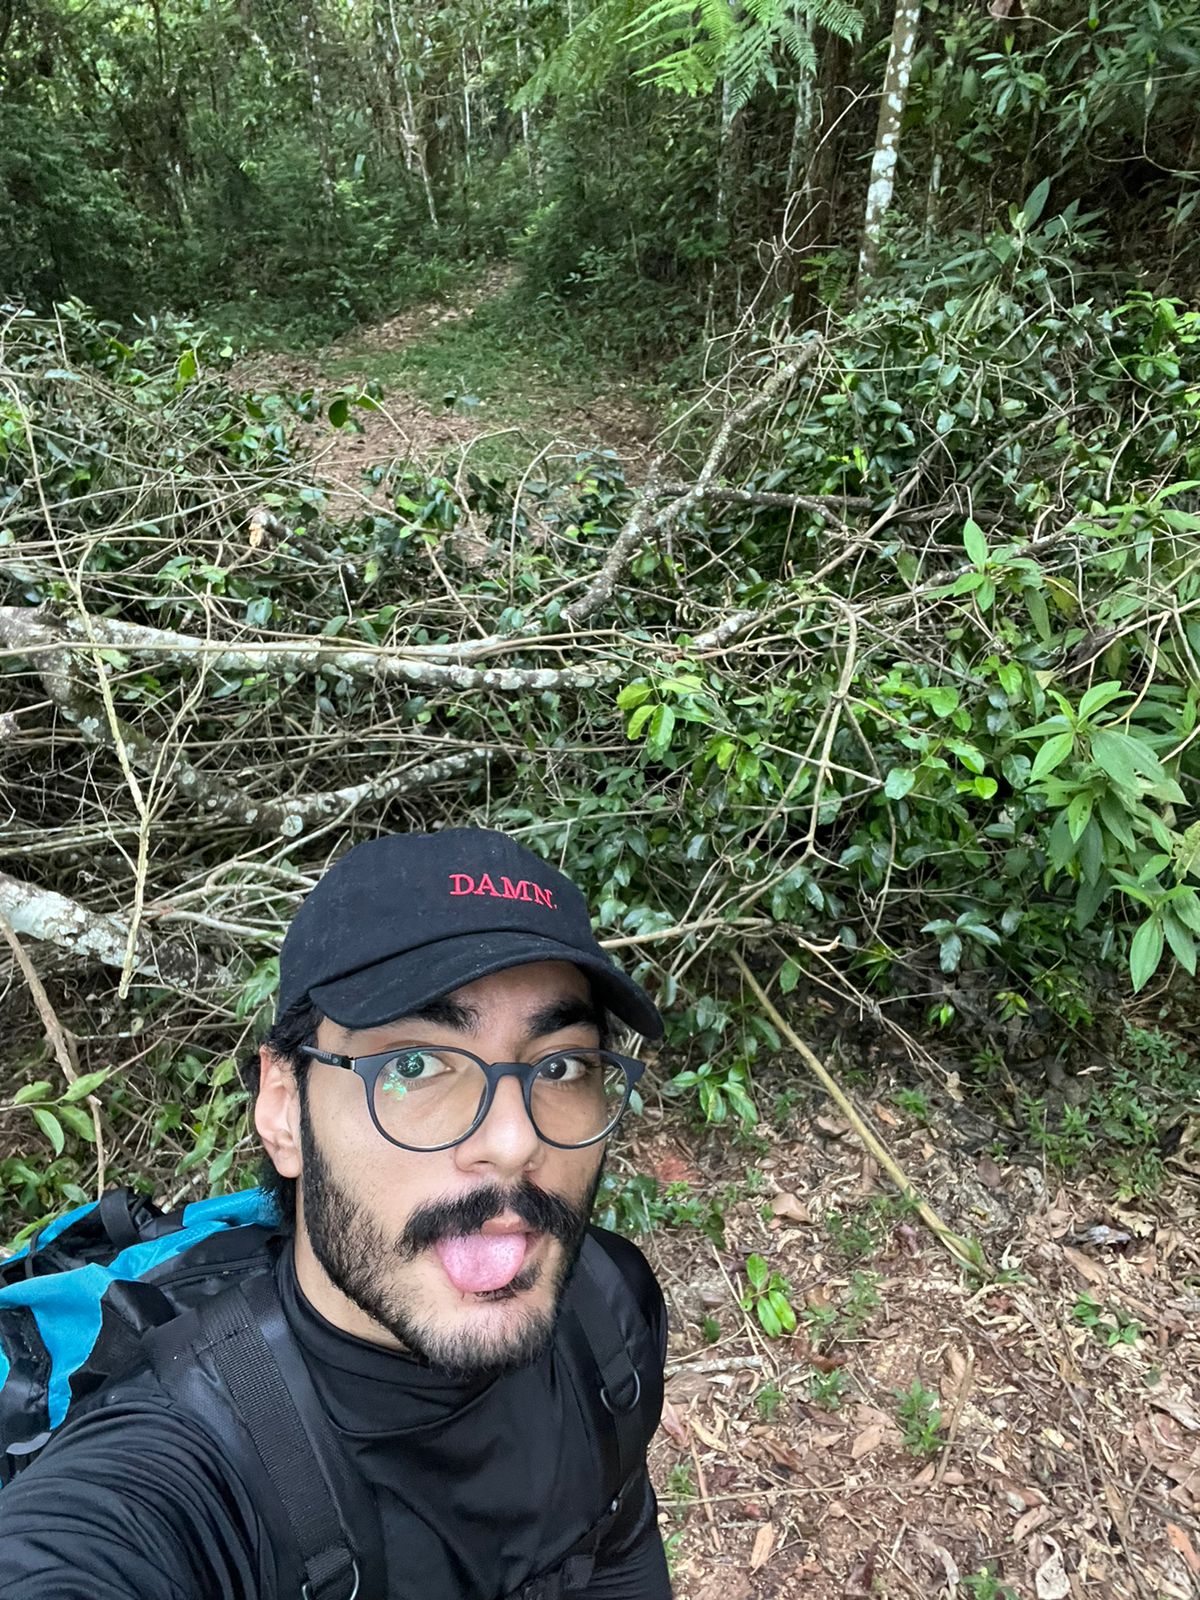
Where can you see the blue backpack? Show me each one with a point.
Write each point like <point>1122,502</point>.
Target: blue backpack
<point>113,1284</point>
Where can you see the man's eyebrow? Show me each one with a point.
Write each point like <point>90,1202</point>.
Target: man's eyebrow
<point>445,1013</point>
<point>560,1014</point>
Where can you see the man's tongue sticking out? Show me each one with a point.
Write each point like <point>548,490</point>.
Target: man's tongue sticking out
<point>476,1263</point>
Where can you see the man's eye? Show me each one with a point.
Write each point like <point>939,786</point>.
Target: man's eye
<point>414,1066</point>
<point>567,1069</point>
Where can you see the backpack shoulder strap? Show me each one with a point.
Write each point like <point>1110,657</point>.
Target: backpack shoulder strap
<point>591,1319</point>
<point>246,1336</point>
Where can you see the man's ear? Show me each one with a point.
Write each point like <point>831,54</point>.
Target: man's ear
<point>277,1112</point>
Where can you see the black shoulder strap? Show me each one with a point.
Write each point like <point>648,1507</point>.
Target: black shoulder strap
<point>246,1335</point>
<point>598,1284</point>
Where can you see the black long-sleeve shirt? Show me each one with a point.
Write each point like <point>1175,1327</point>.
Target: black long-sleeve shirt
<point>476,1483</point>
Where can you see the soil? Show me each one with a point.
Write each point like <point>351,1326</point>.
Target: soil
<point>1066,1459</point>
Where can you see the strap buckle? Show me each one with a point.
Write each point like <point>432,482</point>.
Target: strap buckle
<point>307,1591</point>
<point>617,1408</point>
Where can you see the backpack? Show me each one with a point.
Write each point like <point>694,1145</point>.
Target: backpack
<point>110,1285</point>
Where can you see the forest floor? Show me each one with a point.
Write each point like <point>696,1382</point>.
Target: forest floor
<point>924,1432</point>
<point>471,382</point>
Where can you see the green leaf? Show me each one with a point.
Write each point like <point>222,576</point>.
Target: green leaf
<point>1036,203</point>
<point>1182,942</point>
<point>1052,754</point>
<point>950,953</point>
<point>662,726</point>
<point>757,1271</point>
<point>1039,615</point>
<point>187,367</point>
<point>51,1127</point>
<point>768,1319</point>
<point>784,1314</point>
<point>1098,696</point>
<point>79,1121</point>
<point>32,1091</point>
<point>1145,952</point>
<point>974,543</point>
<point>87,1084</point>
<point>1126,759</point>
<point>1079,814</point>
<point>339,411</point>
<point>943,700</point>
<point>789,976</point>
<point>899,782</point>
<point>633,695</point>
<point>638,721</point>
<point>1186,907</point>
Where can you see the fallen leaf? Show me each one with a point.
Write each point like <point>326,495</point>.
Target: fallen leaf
<point>825,1363</point>
<point>869,1439</point>
<point>910,1240</point>
<point>673,1424</point>
<point>939,1553</point>
<point>862,1575</point>
<point>989,1173</point>
<point>783,1455</point>
<point>764,1543</point>
<point>789,1207</point>
<point>702,1433</point>
<point>1183,1546</point>
<point>1179,1409</point>
<point>1050,1579</point>
<point>832,1127</point>
<point>1088,1269</point>
<point>1025,1525</point>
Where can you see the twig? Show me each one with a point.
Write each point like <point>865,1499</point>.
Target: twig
<point>960,1396</point>
<point>965,1254</point>
<point>61,1042</point>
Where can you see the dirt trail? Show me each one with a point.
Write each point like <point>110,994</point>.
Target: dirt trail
<point>406,428</point>
<point>1066,1458</point>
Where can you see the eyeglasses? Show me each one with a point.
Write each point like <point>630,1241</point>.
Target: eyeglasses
<point>428,1097</point>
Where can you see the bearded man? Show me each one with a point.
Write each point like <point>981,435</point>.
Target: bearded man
<point>435,1100</point>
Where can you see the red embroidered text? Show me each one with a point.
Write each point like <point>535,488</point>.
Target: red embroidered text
<point>523,889</point>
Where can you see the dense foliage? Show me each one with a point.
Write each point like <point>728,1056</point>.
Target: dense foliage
<point>885,674</point>
<point>320,162</point>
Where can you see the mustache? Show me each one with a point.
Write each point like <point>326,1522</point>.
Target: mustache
<point>542,1211</point>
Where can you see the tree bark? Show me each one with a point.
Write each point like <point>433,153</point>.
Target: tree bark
<point>882,182</point>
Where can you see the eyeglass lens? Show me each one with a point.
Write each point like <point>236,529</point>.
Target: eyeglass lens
<point>426,1098</point>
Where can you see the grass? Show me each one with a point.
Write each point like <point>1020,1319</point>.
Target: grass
<point>509,365</point>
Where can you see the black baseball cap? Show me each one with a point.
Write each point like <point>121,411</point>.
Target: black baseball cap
<point>400,921</point>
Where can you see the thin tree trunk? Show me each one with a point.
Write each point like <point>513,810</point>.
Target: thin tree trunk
<point>308,36</point>
<point>882,182</point>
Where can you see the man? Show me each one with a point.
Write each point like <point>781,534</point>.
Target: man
<point>434,1100</point>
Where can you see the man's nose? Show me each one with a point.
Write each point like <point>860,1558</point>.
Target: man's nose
<point>507,1140</point>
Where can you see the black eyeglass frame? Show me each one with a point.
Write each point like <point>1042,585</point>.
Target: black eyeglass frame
<point>368,1069</point>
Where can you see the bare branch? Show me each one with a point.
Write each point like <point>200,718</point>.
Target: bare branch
<point>28,632</point>
<point>42,914</point>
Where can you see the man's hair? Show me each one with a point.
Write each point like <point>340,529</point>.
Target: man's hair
<point>298,1025</point>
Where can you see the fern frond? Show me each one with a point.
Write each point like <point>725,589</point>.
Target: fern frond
<point>585,59</point>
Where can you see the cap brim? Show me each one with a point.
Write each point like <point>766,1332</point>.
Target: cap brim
<point>404,983</point>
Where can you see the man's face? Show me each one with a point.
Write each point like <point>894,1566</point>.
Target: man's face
<point>387,1239</point>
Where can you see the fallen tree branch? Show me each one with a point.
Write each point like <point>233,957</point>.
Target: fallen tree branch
<point>965,1252</point>
<point>42,914</point>
<point>635,532</point>
<point>28,633</point>
<point>285,818</point>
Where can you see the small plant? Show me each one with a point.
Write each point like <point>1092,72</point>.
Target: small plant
<point>982,1585</point>
<point>828,1389</point>
<point>767,1297</point>
<point>768,1401</point>
<point>921,1419</point>
<point>861,1302</point>
<point>853,1236</point>
<point>680,1484</point>
<point>914,1103</point>
<point>710,1330</point>
<point>1109,1323</point>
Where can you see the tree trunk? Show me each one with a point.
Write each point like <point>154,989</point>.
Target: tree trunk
<point>814,205</point>
<point>882,181</point>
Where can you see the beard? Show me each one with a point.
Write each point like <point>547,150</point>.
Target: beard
<point>359,1258</point>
